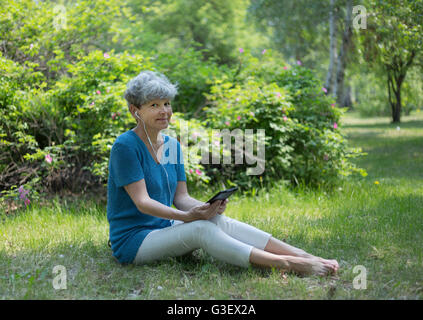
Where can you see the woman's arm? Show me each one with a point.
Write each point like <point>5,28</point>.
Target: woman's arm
<point>182,199</point>
<point>184,202</point>
<point>139,195</point>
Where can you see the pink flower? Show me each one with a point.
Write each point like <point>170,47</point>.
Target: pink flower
<point>238,118</point>
<point>263,52</point>
<point>48,158</point>
<point>299,62</point>
<point>198,172</point>
<point>335,125</point>
<point>27,202</point>
<point>227,123</point>
<point>23,193</point>
<point>92,103</point>
<point>285,68</point>
<point>106,55</point>
<point>278,94</point>
<point>325,90</point>
<point>113,115</point>
<point>31,46</point>
<point>237,99</point>
<point>285,118</point>
<point>216,143</point>
<point>107,90</point>
<point>98,92</point>
<point>190,171</point>
<point>333,105</point>
<point>241,50</point>
<point>252,114</point>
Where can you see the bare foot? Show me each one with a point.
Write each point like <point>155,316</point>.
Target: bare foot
<point>311,266</point>
<point>332,262</point>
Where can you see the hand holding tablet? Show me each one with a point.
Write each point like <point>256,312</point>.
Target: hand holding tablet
<point>222,195</point>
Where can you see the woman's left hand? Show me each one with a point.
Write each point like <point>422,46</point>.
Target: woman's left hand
<point>221,208</point>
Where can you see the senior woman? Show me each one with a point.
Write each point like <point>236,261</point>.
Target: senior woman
<point>144,227</point>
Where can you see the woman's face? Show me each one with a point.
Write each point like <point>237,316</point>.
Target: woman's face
<point>156,113</point>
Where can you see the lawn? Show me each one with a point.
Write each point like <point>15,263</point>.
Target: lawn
<point>375,222</point>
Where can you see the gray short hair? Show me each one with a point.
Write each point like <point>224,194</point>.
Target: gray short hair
<point>148,86</point>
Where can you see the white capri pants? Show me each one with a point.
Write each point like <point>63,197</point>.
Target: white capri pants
<point>224,238</point>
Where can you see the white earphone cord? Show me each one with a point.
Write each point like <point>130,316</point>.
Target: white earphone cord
<point>155,152</point>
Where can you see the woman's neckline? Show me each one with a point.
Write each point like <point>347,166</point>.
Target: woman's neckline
<point>145,146</point>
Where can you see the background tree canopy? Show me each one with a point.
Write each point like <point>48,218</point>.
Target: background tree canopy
<point>287,66</point>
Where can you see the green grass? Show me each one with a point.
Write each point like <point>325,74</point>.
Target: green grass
<point>378,226</point>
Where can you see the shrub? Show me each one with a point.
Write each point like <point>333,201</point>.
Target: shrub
<point>304,143</point>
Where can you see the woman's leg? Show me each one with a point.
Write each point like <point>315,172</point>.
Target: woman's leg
<point>182,238</point>
<point>185,237</point>
<point>264,241</point>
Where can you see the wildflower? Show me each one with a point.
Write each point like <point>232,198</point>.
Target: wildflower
<point>227,123</point>
<point>285,68</point>
<point>263,52</point>
<point>241,50</point>
<point>31,46</point>
<point>252,114</point>
<point>190,171</point>
<point>237,99</point>
<point>299,62</point>
<point>23,193</point>
<point>333,105</point>
<point>398,128</point>
<point>376,182</point>
<point>106,55</point>
<point>107,90</point>
<point>198,172</point>
<point>48,158</point>
<point>285,118</point>
<point>326,157</point>
<point>325,90</point>
<point>98,92</point>
<point>238,118</point>
<point>335,125</point>
<point>92,103</point>
<point>278,94</point>
<point>27,202</point>
<point>113,115</point>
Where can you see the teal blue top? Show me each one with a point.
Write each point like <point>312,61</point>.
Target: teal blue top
<point>130,161</point>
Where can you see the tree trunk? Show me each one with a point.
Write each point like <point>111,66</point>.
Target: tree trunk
<point>396,75</point>
<point>341,65</point>
<point>332,49</point>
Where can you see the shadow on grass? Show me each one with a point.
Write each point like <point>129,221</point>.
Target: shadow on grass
<point>411,124</point>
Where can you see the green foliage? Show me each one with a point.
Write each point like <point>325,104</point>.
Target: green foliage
<point>62,106</point>
<point>193,75</point>
<point>303,141</point>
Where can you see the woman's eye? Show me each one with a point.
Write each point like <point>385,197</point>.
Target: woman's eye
<point>167,103</point>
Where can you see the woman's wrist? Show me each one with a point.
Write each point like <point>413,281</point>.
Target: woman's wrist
<point>182,215</point>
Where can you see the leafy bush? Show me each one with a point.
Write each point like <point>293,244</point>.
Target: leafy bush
<point>304,143</point>
<point>193,75</point>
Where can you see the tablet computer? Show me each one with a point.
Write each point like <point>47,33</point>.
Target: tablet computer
<point>222,195</point>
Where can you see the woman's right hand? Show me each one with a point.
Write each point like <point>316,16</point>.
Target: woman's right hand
<point>203,212</point>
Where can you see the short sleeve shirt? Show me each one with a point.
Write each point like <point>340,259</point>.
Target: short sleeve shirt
<point>131,161</point>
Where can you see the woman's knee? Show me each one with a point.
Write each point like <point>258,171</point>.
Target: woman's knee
<point>203,231</point>
<point>202,226</point>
